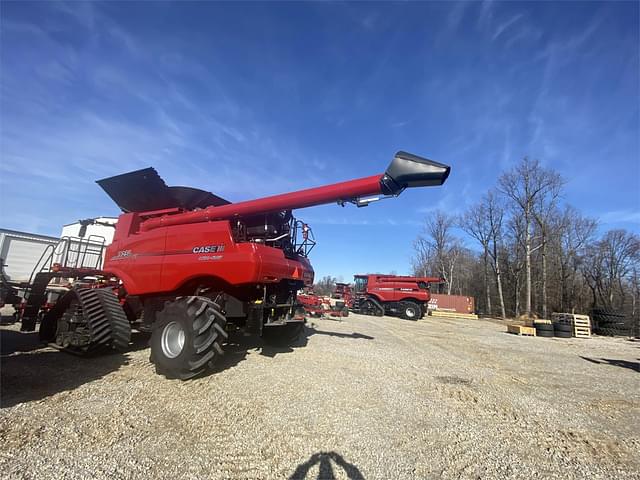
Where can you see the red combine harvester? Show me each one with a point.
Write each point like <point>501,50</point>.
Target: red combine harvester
<point>191,267</point>
<point>377,294</point>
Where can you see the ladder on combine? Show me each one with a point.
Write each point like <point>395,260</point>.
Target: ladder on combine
<point>69,253</point>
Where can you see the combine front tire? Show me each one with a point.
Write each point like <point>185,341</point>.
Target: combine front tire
<point>410,310</point>
<point>187,337</point>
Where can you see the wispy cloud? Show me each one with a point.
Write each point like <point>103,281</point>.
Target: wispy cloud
<point>621,216</point>
<point>506,24</point>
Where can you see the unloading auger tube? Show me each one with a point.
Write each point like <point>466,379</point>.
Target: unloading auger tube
<point>405,171</point>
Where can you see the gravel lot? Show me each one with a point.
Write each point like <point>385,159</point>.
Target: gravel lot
<point>372,398</point>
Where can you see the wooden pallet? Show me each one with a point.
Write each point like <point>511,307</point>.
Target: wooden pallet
<point>521,330</point>
<point>542,321</point>
<point>581,324</point>
<point>447,314</point>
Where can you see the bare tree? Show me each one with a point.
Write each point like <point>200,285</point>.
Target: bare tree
<point>573,233</point>
<point>525,185</point>
<point>439,249</point>
<point>325,285</point>
<point>543,212</point>
<point>514,258</point>
<point>635,297</point>
<point>495,215</point>
<point>423,259</point>
<point>475,222</point>
<point>483,221</point>
<point>608,264</point>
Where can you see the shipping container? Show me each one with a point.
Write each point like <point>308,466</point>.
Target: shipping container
<point>452,303</point>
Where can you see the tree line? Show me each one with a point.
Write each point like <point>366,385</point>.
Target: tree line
<point>534,254</point>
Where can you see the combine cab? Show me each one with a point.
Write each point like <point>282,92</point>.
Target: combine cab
<point>406,297</point>
<point>190,267</point>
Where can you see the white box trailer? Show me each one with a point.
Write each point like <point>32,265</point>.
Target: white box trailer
<point>20,252</point>
<point>103,227</point>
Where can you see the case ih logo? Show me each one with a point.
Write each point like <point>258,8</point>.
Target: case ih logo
<point>209,249</point>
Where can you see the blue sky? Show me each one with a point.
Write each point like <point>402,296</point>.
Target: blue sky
<point>248,100</point>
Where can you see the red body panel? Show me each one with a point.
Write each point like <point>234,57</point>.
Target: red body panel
<point>162,259</point>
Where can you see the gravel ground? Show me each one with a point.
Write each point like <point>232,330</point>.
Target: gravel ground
<point>366,398</point>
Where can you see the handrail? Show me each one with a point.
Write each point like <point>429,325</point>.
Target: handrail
<point>63,249</point>
<point>49,258</point>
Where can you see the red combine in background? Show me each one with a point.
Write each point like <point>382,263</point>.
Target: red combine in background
<point>342,291</point>
<point>377,294</point>
<point>191,266</point>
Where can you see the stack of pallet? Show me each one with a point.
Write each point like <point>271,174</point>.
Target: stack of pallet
<point>581,324</point>
<point>526,330</point>
<point>449,314</point>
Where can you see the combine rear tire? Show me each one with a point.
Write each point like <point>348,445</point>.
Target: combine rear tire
<point>345,312</point>
<point>410,310</point>
<point>187,337</point>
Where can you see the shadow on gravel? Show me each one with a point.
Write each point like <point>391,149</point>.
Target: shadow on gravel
<point>7,320</point>
<point>326,460</point>
<point>354,335</point>
<point>238,345</point>
<point>40,372</point>
<point>616,363</point>
<point>12,341</point>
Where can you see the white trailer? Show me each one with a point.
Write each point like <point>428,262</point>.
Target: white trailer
<point>20,252</point>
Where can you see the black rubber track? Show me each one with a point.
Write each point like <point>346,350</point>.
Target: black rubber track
<point>109,325</point>
<point>203,324</point>
<point>369,307</point>
<point>104,318</point>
